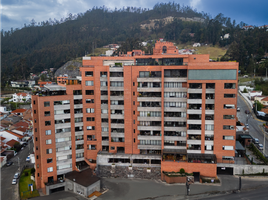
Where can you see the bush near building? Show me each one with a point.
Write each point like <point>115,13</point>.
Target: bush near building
<point>25,191</point>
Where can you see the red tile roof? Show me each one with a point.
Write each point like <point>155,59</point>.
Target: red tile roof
<point>21,124</point>
<point>19,111</point>
<point>15,134</point>
<point>11,143</point>
<point>21,129</point>
<point>22,93</point>
<point>2,138</point>
<point>265,99</point>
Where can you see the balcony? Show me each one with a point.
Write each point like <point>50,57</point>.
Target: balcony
<point>175,124</point>
<point>194,137</point>
<point>194,127</point>
<point>149,137</point>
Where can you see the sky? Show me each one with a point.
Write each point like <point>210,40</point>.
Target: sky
<point>16,13</point>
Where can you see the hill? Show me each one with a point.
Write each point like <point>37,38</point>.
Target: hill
<point>53,43</point>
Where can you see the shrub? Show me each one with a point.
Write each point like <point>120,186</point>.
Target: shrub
<point>32,170</point>
<point>182,171</point>
<point>26,174</point>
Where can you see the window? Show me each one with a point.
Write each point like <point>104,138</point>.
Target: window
<point>49,160</point>
<point>89,100</point>
<point>228,137</point>
<point>112,148</point>
<point>37,157</point>
<point>229,106</point>
<point>34,102</point>
<point>229,95</point>
<point>34,111</point>
<point>48,141</point>
<point>133,83</point>
<point>229,85</point>
<point>117,84</point>
<point>35,129</point>
<point>34,120</point>
<point>227,148</point>
<point>133,103</point>
<point>49,151</point>
<point>133,93</point>
<point>89,83</point>
<point>228,116</point>
<point>134,112</point>
<point>104,92</point>
<point>209,127</point>
<point>47,123</point>
<point>36,147</point>
<point>134,140</point>
<point>88,73</point>
<point>90,110</point>
<point>104,129</point>
<point>61,112</point>
<point>77,92</point>
<point>228,127</point>
<point>103,83</point>
<point>104,111</point>
<point>46,104</point>
<point>103,74</point>
<point>134,130</point>
<point>173,85</point>
<point>64,102</point>
<point>47,113</point>
<point>89,119</point>
<point>89,92</point>
<point>38,174</point>
<point>64,166</point>
<point>90,127</point>
<point>50,169</point>
<point>63,139</point>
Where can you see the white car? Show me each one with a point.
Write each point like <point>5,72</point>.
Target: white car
<point>17,175</point>
<point>28,159</point>
<point>14,181</point>
<point>247,126</point>
<point>260,146</point>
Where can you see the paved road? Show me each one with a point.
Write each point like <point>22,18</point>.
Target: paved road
<point>254,129</point>
<point>9,191</point>
<point>151,189</point>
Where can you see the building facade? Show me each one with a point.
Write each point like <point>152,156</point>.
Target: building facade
<point>162,112</point>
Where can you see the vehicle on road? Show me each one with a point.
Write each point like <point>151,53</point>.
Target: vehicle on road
<point>247,111</point>
<point>28,159</point>
<point>238,109</point>
<point>17,175</point>
<point>260,146</point>
<point>9,163</point>
<point>255,140</point>
<point>247,126</point>
<point>14,181</point>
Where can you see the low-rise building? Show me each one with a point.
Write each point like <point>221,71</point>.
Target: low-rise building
<point>21,97</point>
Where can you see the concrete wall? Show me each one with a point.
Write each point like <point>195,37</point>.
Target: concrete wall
<point>248,169</point>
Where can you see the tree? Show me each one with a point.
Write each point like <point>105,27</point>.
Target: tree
<point>17,146</point>
<point>259,105</point>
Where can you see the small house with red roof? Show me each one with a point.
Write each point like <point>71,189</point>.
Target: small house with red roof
<point>264,101</point>
<point>254,93</point>
<point>21,97</point>
<point>9,135</point>
<point>19,112</point>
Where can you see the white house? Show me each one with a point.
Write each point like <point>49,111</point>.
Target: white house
<point>196,45</point>
<point>252,94</point>
<point>20,96</point>
<point>242,87</point>
<point>9,135</point>
<point>109,52</point>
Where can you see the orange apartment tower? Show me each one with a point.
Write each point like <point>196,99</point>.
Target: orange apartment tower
<point>137,115</point>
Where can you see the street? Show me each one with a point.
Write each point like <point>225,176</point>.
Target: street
<point>254,129</point>
<point>9,191</point>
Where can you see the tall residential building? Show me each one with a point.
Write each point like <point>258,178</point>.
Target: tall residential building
<point>137,112</point>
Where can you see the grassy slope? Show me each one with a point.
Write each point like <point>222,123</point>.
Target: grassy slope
<point>24,181</point>
<point>97,52</point>
<point>214,52</point>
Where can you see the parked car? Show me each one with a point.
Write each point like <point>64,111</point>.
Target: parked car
<point>28,159</point>
<point>9,163</point>
<point>17,175</point>
<point>260,146</point>
<point>238,109</point>
<point>247,111</point>
<point>256,140</point>
<point>14,181</point>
